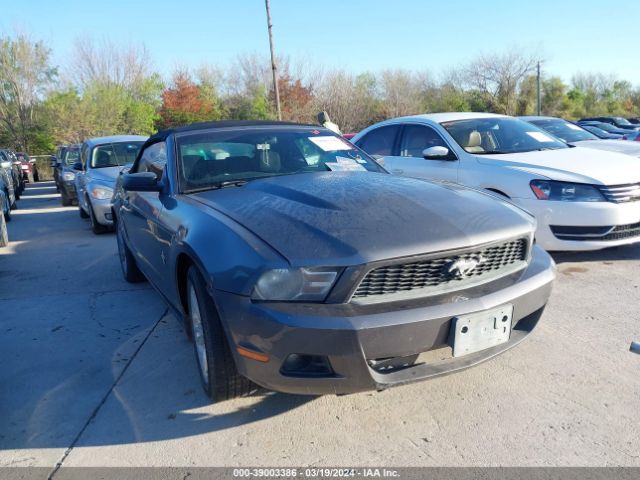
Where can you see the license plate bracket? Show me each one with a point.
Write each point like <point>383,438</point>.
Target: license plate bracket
<point>481,330</point>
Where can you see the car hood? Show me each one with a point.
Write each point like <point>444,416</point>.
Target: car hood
<point>350,218</point>
<point>611,145</point>
<point>577,164</point>
<point>106,175</point>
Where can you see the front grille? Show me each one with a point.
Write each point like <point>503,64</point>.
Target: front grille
<point>597,233</point>
<point>622,193</point>
<point>434,275</point>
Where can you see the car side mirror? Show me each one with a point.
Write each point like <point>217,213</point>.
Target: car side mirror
<point>436,153</point>
<point>141,182</point>
<point>77,166</point>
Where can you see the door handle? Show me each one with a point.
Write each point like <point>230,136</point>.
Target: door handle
<point>397,171</point>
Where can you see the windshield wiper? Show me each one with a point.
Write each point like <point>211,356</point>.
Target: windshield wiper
<point>491,152</point>
<point>216,186</point>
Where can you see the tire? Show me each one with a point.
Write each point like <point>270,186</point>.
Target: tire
<point>4,234</point>
<point>64,199</point>
<point>130,270</point>
<point>6,208</point>
<point>218,373</point>
<point>95,226</point>
<point>36,175</point>
<point>83,214</point>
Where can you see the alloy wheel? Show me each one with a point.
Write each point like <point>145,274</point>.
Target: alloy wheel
<point>198,335</point>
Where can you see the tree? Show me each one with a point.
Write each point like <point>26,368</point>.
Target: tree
<point>185,102</point>
<point>25,74</point>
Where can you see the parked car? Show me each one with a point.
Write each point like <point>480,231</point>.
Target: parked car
<point>7,183</point>
<point>632,136</point>
<point>299,264</point>
<point>5,200</point>
<point>65,173</point>
<point>634,121</point>
<point>583,199</point>
<point>598,132</point>
<point>8,157</point>
<point>607,127</point>
<point>28,167</point>
<point>577,136</point>
<point>4,234</point>
<point>56,162</point>
<point>618,122</point>
<point>101,160</point>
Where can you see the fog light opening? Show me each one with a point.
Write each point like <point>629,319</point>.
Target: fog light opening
<point>306,366</point>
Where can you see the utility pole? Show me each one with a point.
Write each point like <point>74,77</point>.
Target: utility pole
<point>538,103</point>
<point>273,60</point>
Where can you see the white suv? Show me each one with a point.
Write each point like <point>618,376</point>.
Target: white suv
<point>583,199</point>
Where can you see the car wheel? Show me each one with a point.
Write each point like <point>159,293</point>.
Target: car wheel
<point>36,176</point>
<point>95,226</point>
<point>218,372</point>
<point>83,214</point>
<point>6,209</point>
<point>65,200</point>
<point>130,270</point>
<point>4,234</point>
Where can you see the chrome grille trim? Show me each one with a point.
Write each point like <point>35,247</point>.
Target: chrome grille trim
<point>427,276</point>
<point>621,193</point>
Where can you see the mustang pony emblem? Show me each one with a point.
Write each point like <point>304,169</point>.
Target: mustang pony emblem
<point>463,267</point>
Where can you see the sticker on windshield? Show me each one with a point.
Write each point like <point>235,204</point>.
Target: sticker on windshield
<point>541,137</point>
<point>345,167</point>
<point>330,144</point>
<point>573,127</point>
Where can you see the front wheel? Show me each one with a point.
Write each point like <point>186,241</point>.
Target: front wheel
<point>95,226</point>
<point>218,372</point>
<point>130,270</point>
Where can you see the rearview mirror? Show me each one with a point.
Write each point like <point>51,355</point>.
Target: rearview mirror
<point>77,166</point>
<point>141,182</point>
<point>436,153</point>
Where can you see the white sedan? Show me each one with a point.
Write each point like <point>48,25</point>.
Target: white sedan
<point>583,199</point>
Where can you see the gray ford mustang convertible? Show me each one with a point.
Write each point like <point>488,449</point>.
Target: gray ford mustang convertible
<point>299,264</point>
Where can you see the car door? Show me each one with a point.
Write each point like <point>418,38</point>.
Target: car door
<point>381,144</point>
<point>148,237</point>
<point>410,161</point>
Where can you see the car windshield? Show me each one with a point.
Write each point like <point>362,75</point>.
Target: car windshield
<point>564,130</point>
<point>605,126</point>
<point>216,158</point>
<point>72,156</point>
<point>115,154</point>
<point>622,121</point>
<point>498,135</point>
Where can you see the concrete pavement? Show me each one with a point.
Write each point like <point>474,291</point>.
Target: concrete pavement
<point>95,372</point>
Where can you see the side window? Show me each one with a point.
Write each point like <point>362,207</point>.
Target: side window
<point>380,141</point>
<point>153,159</point>
<point>416,138</point>
<point>84,155</point>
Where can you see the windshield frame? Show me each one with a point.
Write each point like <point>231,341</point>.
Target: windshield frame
<point>275,129</point>
<point>95,148</point>
<point>555,144</point>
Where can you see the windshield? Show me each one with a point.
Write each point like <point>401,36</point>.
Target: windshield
<point>115,154</point>
<point>606,127</point>
<point>622,121</point>
<point>210,159</point>
<point>497,135</point>
<point>565,130</point>
<point>71,156</point>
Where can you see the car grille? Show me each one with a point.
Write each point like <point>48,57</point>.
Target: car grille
<point>433,276</point>
<point>622,193</point>
<point>619,232</point>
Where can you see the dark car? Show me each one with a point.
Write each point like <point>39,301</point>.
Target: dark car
<point>65,173</point>
<point>618,122</point>
<point>56,163</point>
<point>4,212</point>
<point>607,127</point>
<point>7,179</point>
<point>299,264</point>
<point>601,134</point>
<point>13,168</point>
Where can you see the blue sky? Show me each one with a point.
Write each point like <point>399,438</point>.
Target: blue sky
<point>355,34</point>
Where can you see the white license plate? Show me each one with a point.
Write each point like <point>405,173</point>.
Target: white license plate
<point>478,331</point>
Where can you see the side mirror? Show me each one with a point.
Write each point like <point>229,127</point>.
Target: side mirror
<point>141,182</point>
<point>77,166</point>
<point>436,153</point>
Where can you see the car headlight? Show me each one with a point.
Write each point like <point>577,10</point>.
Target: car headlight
<point>68,176</point>
<point>294,284</point>
<point>101,193</point>
<point>565,191</point>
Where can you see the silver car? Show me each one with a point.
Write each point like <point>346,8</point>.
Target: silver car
<point>101,160</point>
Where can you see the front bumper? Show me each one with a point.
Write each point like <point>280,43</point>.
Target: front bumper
<point>352,335</point>
<point>581,214</point>
<point>102,211</point>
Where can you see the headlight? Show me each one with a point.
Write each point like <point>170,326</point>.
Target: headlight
<point>566,192</point>
<point>68,176</point>
<point>101,193</point>
<point>294,284</point>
